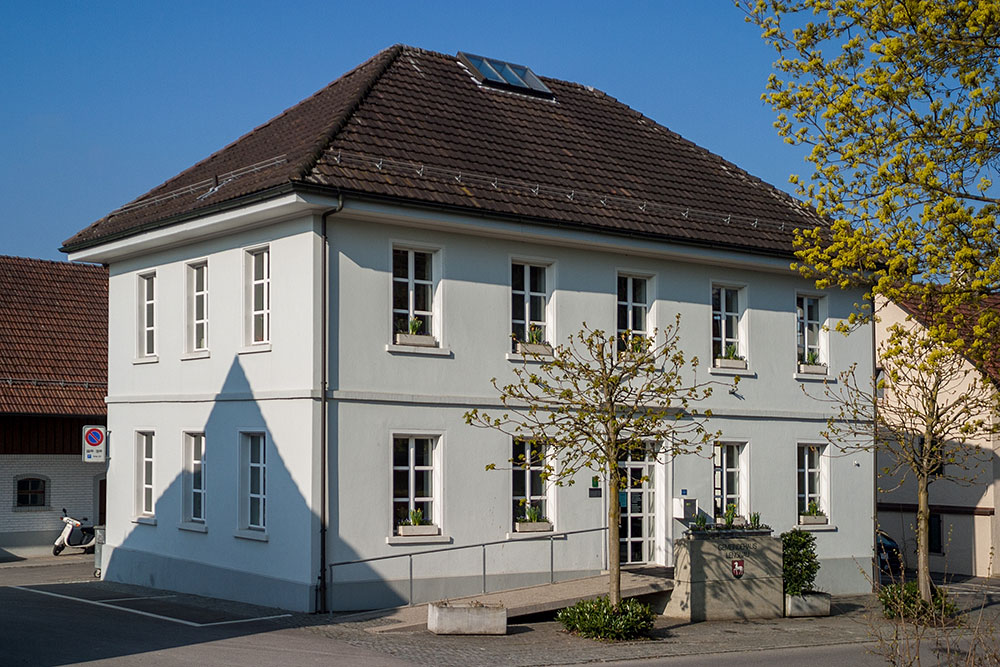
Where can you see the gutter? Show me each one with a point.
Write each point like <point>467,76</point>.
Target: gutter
<point>324,406</point>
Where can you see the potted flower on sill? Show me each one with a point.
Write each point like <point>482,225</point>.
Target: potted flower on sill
<point>532,521</point>
<point>731,358</point>
<point>814,516</point>
<point>414,337</point>
<point>799,568</point>
<point>416,525</point>
<point>535,346</point>
<point>812,365</point>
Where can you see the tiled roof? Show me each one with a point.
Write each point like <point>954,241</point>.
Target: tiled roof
<point>415,126</point>
<point>53,337</point>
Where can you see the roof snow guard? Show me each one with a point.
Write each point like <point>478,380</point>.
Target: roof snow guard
<point>504,75</point>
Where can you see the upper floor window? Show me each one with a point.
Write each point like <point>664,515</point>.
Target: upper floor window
<point>412,292</point>
<point>198,307</point>
<point>808,328</point>
<point>632,308</point>
<point>529,300</point>
<point>259,295</point>
<point>30,492</point>
<point>147,315</point>
<point>726,313</point>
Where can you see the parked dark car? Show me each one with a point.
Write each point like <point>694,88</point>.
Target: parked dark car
<point>889,554</point>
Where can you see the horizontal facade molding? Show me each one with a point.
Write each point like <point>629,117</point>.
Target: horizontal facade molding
<point>277,395</point>
<point>911,508</point>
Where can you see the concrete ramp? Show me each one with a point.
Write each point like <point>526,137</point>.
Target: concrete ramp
<point>635,582</point>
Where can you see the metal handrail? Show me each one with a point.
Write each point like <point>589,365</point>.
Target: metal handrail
<point>527,538</point>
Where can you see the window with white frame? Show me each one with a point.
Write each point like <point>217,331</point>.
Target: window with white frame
<point>412,478</point>
<point>195,474</point>
<point>810,478</point>
<point>198,307</point>
<point>632,308</point>
<point>253,511</point>
<point>259,296</point>
<point>529,300</point>
<point>147,315</point>
<point>726,482</point>
<point>726,323</point>
<point>808,328</point>
<point>412,291</point>
<point>529,489</point>
<point>144,473</point>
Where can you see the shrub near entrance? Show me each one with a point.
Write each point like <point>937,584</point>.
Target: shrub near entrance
<point>599,619</point>
<point>799,561</point>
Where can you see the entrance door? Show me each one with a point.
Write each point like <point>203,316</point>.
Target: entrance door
<point>635,538</point>
<point>102,502</point>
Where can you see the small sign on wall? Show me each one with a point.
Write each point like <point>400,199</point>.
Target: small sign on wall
<point>95,444</point>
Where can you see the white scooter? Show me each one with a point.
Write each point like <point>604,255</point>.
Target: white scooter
<point>74,534</point>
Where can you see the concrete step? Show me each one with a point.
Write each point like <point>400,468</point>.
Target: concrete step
<point>635,582</point>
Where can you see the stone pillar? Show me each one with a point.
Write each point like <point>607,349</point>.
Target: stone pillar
<point>726,577</point>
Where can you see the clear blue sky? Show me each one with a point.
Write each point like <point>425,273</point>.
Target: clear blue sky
<point>102,101</point>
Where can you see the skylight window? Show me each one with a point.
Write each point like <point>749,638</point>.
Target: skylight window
<point>508,76</point>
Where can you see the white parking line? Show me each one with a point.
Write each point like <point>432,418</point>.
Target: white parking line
<point>146,613</point>
<point>145,597</point>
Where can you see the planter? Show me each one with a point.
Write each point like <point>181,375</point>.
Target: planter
<point>469,618</point>
<point>807,604</point>
<point>534,349</point>
<point>533,527</point>
<point>812,369</point>
<point>739,364</point>
<point>416,340</point>
<point>417,531</point>
<point>810,520</point>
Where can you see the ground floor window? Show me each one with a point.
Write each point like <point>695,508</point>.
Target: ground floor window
<point>529,497</point>
<point>144,473</point>
<point>635,499</point>
<point>30,492</point>
<point>412,479</point>
<point>195,477</point>
<point>810,461</point>
<point>934,543</point>
<point>254,484</point>
<point>726,477</point>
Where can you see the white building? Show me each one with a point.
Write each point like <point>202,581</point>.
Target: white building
<point>267,424</point>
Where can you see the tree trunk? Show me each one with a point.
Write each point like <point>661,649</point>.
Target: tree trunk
<point>923,538</point>
<point>614,519</point>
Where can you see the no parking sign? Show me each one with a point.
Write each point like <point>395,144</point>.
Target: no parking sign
<point>95,444</point>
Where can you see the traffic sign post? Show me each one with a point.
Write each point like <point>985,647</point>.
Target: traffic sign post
<point>95,444</point>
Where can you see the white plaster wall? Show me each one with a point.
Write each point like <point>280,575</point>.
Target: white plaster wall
<point>72,484</point>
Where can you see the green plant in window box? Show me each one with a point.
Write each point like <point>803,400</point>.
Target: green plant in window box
<point>533,520</point>
<point>415,525</point>
<point>732,352</point>
<point>729,516</point>
<point>415,324</point>
<point>535,335</point>
<point>812,358</point>
<point>813,514</point>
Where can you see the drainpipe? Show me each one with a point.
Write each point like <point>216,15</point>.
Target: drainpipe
<point>876,575</point>
<point>324,404</point>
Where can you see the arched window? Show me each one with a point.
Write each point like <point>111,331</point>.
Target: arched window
<point>31,491</point>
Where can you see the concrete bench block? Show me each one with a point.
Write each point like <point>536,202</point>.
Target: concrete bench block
<point>807,604</point>
<point>466,619</point>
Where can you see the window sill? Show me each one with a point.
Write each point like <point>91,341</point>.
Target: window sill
<point>527,359</point>
<point>152,359</point>
<point>254,349</point>
<point>744,373</point>
<point>145,520</point>
<point>815,377</point>
<point>198,354</point>
<point>817,527</point>
<point>418,539</point>
<point>193,526</point>
<point>392,348</point>
<point>253,535</point>
<point>31,508</point>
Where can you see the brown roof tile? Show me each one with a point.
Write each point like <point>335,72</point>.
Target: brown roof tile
<point>414,125</point>
<point>53,337</point>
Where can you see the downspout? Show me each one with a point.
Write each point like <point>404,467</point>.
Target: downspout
<point>876,573</point>
<point>324,404</point>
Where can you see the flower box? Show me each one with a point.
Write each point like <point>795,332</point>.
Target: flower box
<point>534,349</point>
<point>813,520</point>
<point>807,604</point>
<point>812,369</point>
<point>739,364</point>
<point>406,530</point>
<point>416,340</point>
<point>466,618</point>
<point>532,526</point>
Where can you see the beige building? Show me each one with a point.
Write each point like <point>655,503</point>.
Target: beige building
<point>964,527</point>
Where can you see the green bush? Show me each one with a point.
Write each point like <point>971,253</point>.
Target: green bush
<point>902,601</point>
<point>599,619</point>
<point>799,562</point>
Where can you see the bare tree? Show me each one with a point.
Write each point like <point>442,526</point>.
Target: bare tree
<point>929,409</point>
<point>596,400</point>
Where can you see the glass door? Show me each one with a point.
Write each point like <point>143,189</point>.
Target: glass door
<point>635,538</point>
